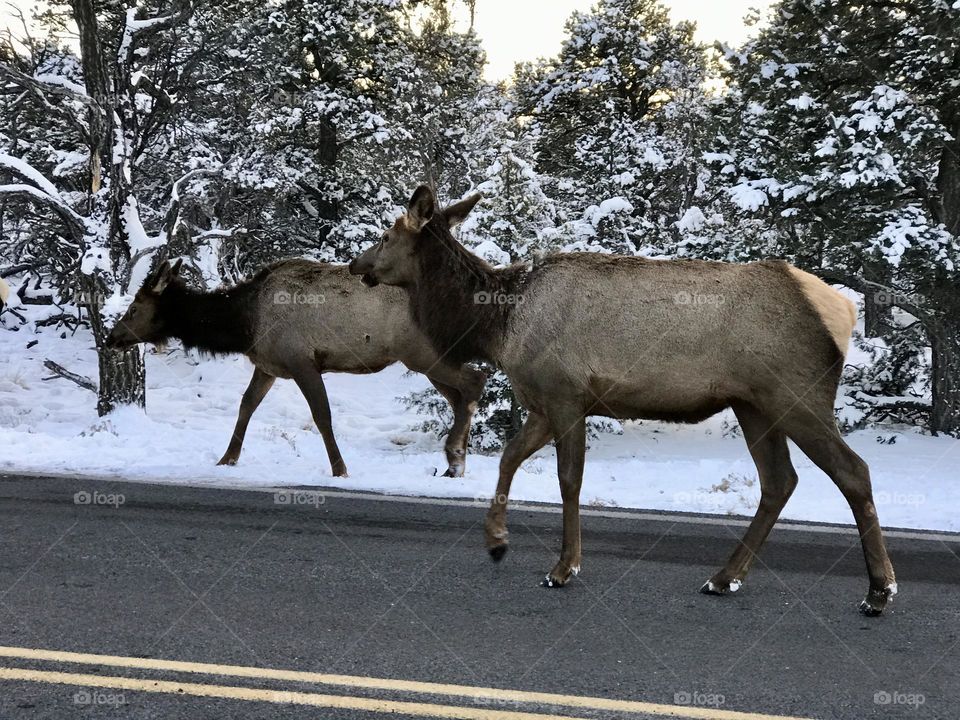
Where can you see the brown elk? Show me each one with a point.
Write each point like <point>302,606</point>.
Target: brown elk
<point>679,340</point>
<point>299,319</point>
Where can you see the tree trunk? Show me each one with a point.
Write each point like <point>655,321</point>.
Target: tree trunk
<point>122,372</point>
<point>121,379</point>
<point>945,379</point>
<point>122,376</point>
<point>328,155</point>
<point>948,183</point>
<point>516,416</point>
<point>945,338</point>
<point>877,303</point>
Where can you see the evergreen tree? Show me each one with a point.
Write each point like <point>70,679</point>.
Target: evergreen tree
<point>845,141</point>
<point>619,114</point>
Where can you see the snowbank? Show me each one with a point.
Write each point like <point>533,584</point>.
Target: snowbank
<point>52,427</point>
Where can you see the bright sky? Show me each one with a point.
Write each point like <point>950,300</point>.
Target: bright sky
<point>516,30</point>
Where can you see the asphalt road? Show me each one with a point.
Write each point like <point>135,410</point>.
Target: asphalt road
<point>404,591</point>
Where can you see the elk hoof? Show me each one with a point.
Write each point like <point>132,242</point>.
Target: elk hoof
<point>720,587</point>
<point>551,582</point>
<point>498,552</point>
<point>340,471</point>
<point>558,577</point>
<point>227,461</point>
<point>876,600</point>
<point>454,471</point>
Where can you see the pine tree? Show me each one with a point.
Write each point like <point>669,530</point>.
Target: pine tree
<point>845,142</point>
<point>619,112</point>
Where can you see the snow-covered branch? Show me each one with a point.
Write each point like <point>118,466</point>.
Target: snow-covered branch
<point>136,29</point>
<point>75,223</point>
<point>46,83</point>
<point>42,86</point>
<point>41,190</point>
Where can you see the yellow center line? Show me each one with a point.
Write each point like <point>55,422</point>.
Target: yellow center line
<point>482,694</point>
<point>341,702</point>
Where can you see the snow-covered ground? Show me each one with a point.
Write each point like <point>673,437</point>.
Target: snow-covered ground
<point>51,426</point>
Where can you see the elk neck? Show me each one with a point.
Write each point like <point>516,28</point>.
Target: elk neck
<point>217,322</point>
<point>460,301</point>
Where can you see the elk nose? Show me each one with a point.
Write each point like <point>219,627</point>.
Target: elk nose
<point>113,339</point>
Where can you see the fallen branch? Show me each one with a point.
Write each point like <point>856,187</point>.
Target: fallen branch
<point>38,300</point>
<point>60,371</point>
<point>10,310</point>
<point>13,270</point>
<point>62,318</point>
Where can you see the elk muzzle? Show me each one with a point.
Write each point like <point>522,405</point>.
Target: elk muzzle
<point>362,265</point>
<point>120,338</point>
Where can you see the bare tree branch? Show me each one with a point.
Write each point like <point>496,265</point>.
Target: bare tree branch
<point>60,371</point>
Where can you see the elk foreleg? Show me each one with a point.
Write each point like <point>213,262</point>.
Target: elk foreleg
<point>534,434</point>
<point>455,446</point>
<point>259,386</point>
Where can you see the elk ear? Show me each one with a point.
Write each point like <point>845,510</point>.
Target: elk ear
<point>421,207</point>
<point>175,270</point>
<point>162,276</point>
<point>458,212</point>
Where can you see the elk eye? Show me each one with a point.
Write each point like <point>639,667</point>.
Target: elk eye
<point>133,311</point>
<point>385,238</point>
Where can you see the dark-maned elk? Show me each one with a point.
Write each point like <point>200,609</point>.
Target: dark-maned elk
<point>298,319</point>
<point>588,334</point>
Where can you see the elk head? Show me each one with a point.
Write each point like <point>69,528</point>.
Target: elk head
<point>145,320</point>
<point>393,260</point>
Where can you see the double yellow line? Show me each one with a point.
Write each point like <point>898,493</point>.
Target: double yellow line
<point>480,695</point>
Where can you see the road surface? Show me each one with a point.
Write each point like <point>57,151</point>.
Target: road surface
<point>147,601</point>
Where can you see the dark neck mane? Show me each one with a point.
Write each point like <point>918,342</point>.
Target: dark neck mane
<point>218,322</point>
<point>461,302</point>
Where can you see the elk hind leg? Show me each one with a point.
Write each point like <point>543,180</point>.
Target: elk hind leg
<point>816,434</point>
<point>570,433</point>
<point>455,446</point>
<point>778,478</point>
<point>310,382</point>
